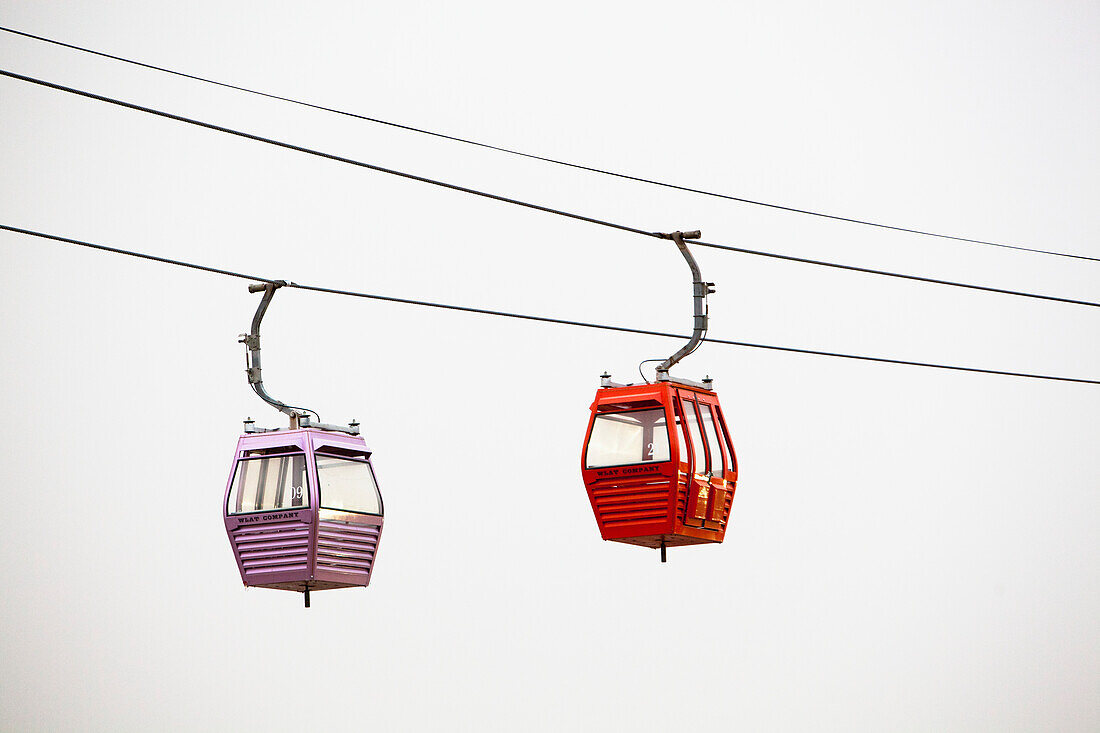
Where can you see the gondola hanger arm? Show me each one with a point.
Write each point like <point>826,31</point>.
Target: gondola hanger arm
<point>700,290</point>
<point>299,416</point>
<point>251,341</point>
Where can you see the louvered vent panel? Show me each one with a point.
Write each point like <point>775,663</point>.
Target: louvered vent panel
<point>272,548</point>
<point>622,503</point>
<point>347,549</point>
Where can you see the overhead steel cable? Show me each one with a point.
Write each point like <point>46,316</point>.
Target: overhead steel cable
<point>525,204</point>
<point>887,273</point>
<point>529,317</point>
<point>532,156</point>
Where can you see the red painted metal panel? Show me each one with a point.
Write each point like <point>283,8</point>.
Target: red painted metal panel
<point>651,503</point>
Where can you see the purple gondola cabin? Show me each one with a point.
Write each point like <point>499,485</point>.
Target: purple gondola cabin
<point>302,510</point>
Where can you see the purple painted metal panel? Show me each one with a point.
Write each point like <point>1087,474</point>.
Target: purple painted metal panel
<point>291,549</point>
<point>347,545</point>
<point>287,562</point>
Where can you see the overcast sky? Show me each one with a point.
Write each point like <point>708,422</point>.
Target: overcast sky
<point>909,549</point>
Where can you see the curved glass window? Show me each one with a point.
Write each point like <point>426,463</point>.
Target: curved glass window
<point>268,484</point>
<point>717,461</point>
<point>723,434</point>
<point>623,438</point>
<point>692,423</point>
<point>347,485</point>
<point>685,457</point>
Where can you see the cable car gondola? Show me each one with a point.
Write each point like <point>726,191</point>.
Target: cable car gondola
<point>302,507</point>
<point>657,460</point>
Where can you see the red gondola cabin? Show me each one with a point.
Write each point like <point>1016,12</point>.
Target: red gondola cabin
<point>651,485</point>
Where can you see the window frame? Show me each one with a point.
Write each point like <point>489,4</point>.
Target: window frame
<point>687,454</point>
<point>649,408</point>
<point>717,436</point>
<point>377,491</point>
<point>702,438</point>
<point>306,488</point>
<point>728,444</point>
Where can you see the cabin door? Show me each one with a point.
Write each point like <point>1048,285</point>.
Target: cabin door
<point>707,497</point>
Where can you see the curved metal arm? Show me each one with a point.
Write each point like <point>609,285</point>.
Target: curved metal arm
<point>251,342</point>
<point>699,297</point>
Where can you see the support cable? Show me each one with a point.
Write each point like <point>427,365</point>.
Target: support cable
<point>529,317</point>
<point>532,156</point>
<point>525,204</point>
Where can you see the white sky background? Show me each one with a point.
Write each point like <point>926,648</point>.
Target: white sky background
<point>910,549</point>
